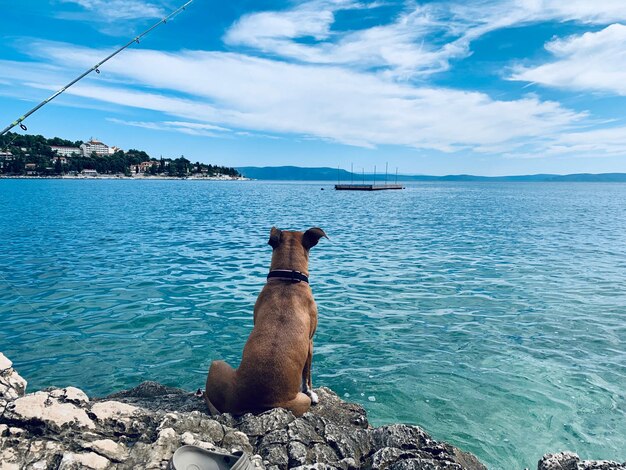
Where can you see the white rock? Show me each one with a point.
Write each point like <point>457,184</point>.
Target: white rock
<point>113,410</point>
<point>57,393</point>
<point>8,465</point>
<point>36,447</point>
<point>12,385</point>
<point>187,438</point>
<point>89,460</point>
<point>75,395</point>
<point>110,449</point>
<point>7,393</point>
<point>165,435</point>
<point>13,431</point>
<point>9,459</point>
<point>163,448</point>
<point>41,406</point>
<point>237,440</point>
<point>40,465</point>
<point>168,420</point>
<point>5,363</point>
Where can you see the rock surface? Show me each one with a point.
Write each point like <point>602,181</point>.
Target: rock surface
<point>12,386</point>
<point>63,429</point>
<point>571,461</point>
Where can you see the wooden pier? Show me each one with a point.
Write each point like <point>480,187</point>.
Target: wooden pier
<point>367,187</point>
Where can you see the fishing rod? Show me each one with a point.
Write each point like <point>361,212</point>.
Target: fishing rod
<point>95,67</point>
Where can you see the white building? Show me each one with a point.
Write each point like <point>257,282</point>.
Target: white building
<point>143,167</point>
<point>5,157</point>
<point>94,146</point>
<point>31,169</point>
<point>63,151</point>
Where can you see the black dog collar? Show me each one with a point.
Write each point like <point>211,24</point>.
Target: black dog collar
<point>288,275</point>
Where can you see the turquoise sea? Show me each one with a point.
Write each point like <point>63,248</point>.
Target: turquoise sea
<point>491,314</point>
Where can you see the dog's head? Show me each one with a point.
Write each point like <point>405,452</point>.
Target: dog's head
<point>291,249</point>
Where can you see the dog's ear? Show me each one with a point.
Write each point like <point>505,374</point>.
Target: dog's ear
<point>312,236</point>
<point>274,237</point>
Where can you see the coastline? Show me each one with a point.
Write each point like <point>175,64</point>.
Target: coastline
<point>64,429</point>
<point>122,177</point>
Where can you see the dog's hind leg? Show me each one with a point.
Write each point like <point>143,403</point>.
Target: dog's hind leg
<point>299,405</point>
<point>307,384</point>
<point>219,387</point>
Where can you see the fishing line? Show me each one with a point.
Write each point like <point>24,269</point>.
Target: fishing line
<point>19,121</point>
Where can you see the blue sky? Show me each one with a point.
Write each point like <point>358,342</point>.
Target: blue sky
<point>484,87</point>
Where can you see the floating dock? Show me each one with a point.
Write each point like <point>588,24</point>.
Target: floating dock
<point>367,187</point>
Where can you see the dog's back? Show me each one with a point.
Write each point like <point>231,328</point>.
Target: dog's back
<point>277,348</point>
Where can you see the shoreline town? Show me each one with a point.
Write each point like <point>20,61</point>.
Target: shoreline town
<point>38,157</point>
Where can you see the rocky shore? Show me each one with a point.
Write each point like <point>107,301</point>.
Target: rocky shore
<point>62,428</point>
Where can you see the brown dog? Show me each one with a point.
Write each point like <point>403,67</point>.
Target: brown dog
<point>275,369</point>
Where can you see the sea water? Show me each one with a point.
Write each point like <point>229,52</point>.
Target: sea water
<point>491,314</point>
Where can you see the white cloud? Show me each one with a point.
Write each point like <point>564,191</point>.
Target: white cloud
<point>343,86</point>
<point>597,142</point>
<point>190,128</point>
<point>114,10</point>
<point>585,11</point>
<point>498,13</point>
<point>312,19</point>
<point>589,143</point>
<point>325,102</point>
<point>420,40</point>
<point>29,71</point>
<point>591,62</point>
<point>401,46</point>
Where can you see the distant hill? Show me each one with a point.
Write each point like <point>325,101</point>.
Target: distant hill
<point>297,173</point>
<point>600,177</point>
<point>292,173</point>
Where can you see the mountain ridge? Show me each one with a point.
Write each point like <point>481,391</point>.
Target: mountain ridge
<point>296,173</point>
